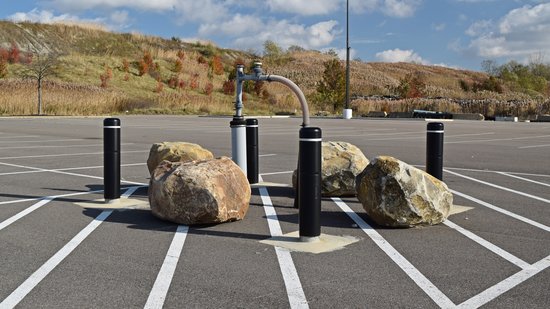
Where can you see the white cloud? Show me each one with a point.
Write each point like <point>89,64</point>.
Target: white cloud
<point>285,34</point>
<point>341,52</point>
<point>400,8</point>
<point>520,33</point>
<point>48,17</point>
<point>479,27</point>
<point>320,7</point>
<point>80,5</point>
<point>117,20</point>
<point>361,6</point>
<point>188,10</point>
<point>439,27</point>
<point>399,55</point>
<point>238,25</point>
<point>120,18</point>
<point>393,8</point>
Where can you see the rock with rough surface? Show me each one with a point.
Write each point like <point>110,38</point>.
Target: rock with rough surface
<point>175,152</point>
<point>396,194</point>
<point>199,192</point>
<point>341,163</point>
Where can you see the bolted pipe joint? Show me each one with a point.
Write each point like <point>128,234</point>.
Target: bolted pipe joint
<point>258,69</point>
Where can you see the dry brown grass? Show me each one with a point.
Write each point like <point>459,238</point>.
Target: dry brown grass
<point>489,107</point>
<point>58,99</point>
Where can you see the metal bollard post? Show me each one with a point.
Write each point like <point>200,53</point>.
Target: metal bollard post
<point>238,142</point>
<point>252,152</point>
<point>434,150</point>
<point>111,159</point>
<point>309,182</point>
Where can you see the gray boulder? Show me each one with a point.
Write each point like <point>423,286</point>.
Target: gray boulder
<point>199,192</point>
<point>176,152</point>
<point>396,194</point>
<point>341,163</point>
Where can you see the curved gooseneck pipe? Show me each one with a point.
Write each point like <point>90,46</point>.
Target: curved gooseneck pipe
<point>259,76</point>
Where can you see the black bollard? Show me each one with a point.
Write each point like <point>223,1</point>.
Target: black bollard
<point>252,152</point>
<point>434,150</point>
<point>309,182</point>
<point>111,158</point>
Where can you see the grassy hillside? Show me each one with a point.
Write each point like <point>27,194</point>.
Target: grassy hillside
<point>102,72</point>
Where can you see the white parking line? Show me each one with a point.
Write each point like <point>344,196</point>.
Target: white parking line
<point>67,169</point>
<point>534,146</point>
<point>489,246</point>
<point>69,154</point>
<point>28,285</point>
<point>428,287</point>
<point>276,173</point>
<point>503,211</point>
<point>66,173</point>
<point>44,141</point>
<point>294,290</point>
<point>57,146</point>
<point>524,179</point>
<point>51,196</point>
<point>492,171</point>
<point>371,134</point>
<point>25,212</point>
<point>500,187</point>
<point>23,136</point>
<point>506,285</point>
<point>158,293</point>
<point>498,139</point>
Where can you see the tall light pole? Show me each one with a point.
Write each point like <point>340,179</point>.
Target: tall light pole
<point>347,111</point>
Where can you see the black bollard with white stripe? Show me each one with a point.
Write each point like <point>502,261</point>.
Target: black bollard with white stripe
<point>111,159</point>
<point>252,152</point>
<point>434,149</point>
<point>309,182</point>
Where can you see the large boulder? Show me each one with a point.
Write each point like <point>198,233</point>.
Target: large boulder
<point>176,152</point>
<point>396,194</point>
<point>199,192</point>
<point>341,163</point>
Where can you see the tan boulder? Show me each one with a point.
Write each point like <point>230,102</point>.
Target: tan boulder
<point>340,165</point>
<point>176,152</point>
<point>396,194</point>
<point>199,192</point>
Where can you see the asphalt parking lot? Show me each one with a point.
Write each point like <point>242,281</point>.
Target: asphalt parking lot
<point>57,254</point>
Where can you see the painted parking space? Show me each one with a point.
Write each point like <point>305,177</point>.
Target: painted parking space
<point>65,256</point>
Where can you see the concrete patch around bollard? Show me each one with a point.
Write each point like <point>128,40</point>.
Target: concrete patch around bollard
<point>325,244</point>
<point>119,204</point>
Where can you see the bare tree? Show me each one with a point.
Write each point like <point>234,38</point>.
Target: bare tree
<point>41,66</point>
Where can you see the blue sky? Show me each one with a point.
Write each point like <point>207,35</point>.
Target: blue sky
<point>456,33</point>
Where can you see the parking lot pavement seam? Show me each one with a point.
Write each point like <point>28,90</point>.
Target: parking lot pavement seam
<point>421,281</point>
